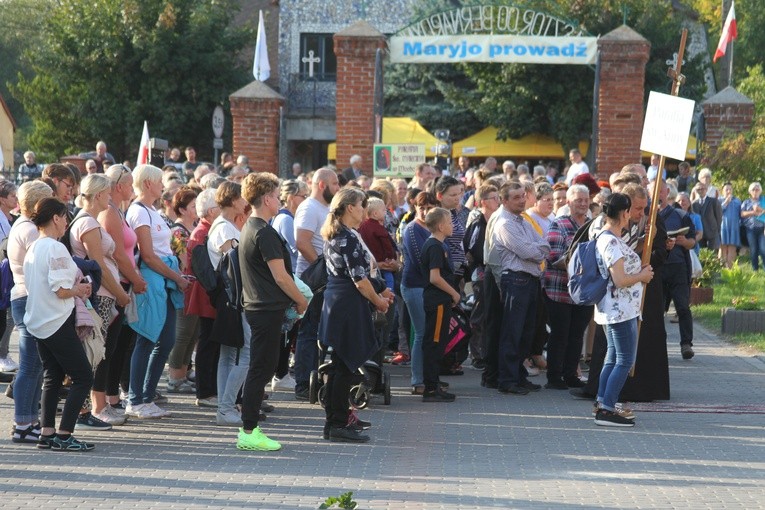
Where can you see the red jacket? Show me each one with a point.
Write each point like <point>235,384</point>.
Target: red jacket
<point>196,301</point>
<point>378,240</point>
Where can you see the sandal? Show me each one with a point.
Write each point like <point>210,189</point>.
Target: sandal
<point>56,443</point>
<point>30,434</point>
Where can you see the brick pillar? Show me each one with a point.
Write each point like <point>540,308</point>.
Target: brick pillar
<point>623,57</point>
<point>728,111</point>
<point>355,48</point>
<point>255,113</point>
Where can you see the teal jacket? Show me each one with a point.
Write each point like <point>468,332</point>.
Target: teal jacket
<point>151,305</point>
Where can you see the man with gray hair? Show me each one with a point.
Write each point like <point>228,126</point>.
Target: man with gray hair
<point>244,162</point>
<point>309,218</point>
<point>354,170</point>
<point>569,320</point>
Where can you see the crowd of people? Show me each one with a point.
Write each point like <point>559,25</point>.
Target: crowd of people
<point>104,258</point>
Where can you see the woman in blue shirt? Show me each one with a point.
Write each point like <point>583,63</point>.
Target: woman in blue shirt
<point>753,217</point>
<point>730,232</point>
<point>413,281</point>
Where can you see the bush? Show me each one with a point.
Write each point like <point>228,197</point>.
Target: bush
<point>710,268</point>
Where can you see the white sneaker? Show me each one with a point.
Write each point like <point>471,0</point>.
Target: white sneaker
<point>118,411</point>
<point>229,419</point>
<point>162,413</point>
<point>7,364</point>
<point>111,417</point>
<point>142,412</point>
<point>286,383</point>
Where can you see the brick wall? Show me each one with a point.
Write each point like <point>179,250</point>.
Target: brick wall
<point>256,131</point>
<point>355,94</point>
<point>720,119</point>
<point>623,57</point>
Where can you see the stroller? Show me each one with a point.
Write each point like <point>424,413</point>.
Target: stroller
<point>456,349</point>
<point>369,379</point>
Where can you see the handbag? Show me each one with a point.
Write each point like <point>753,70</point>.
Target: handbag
<point>696,268</point>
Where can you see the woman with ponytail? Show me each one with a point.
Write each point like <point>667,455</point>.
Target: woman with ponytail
<point>353,288</point>
<point>619,309</point>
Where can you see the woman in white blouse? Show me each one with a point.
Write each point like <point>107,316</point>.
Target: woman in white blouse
<point>50,275</point>
<point>619,309</point>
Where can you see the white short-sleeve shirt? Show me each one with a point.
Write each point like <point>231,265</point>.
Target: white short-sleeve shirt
<point>221,231</point>
<point>82,226</point>
<point>47,268</point>
<point>310,215</point>
<point>619,304</point>
<point>140,215</point>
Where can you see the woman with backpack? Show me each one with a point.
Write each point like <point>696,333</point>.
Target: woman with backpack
<point>618,310</point>
<point>232,364</point>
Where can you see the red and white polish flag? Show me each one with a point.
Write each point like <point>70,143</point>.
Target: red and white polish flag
<point>143,150</point>
<point>729,33</point>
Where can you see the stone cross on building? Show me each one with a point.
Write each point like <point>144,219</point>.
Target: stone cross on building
<point>310,60</point>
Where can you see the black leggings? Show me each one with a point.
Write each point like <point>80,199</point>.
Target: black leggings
<point>206,360</point>
<point>265,340</point>
<point>62,354</point>
<point>339,382</point>
<point>107,366</point>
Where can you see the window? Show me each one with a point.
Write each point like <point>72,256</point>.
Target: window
<point>323,47</point>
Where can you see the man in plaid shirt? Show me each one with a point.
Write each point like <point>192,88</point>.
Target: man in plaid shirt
<point>567,330</point>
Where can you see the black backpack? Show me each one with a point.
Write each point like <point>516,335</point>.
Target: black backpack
<point>201,265</point>
<point>315,275</point>
<point>230,276</point>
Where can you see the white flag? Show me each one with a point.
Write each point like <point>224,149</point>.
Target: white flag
<point>143,150</point>
<point>261,69</point>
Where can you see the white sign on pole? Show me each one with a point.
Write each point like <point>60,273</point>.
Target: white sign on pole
<point>667,125</point>
<point>218,120</point>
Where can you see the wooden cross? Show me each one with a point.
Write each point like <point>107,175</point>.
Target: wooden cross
<point>310,60</point>
<point>677,79</point>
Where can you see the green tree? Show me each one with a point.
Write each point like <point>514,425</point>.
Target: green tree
<point>521,99</point>
<point>105,66</point>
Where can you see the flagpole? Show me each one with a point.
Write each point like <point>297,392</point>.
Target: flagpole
<point>730,65</point>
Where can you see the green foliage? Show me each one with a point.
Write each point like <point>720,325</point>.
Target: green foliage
<point>709,314</point>
<point>737,279</point>
<point>344,501</point>
<point>710,268</point>
<point>522,99</point>
<point>105,66</point>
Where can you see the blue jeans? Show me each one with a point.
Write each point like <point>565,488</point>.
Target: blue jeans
<point>622,349</point>
<point>231,375</point>
<point>306,350</point>
<point>414,303</point>
<point>148,361</point>
<point>27,387</point>
<point>756,240</point>
<point>519,308</point>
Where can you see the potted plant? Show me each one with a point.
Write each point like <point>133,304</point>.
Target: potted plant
<point>746,314</point>
<point>701,288</point>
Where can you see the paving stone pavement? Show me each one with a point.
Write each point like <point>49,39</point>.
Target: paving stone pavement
<point>486,450</point>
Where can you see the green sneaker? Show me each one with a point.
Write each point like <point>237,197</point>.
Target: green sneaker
<point>257,440</point>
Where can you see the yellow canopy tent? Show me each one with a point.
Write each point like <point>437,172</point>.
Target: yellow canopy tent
<point>690,151</point>
<point>484,144</point>
<point>400,130</point>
